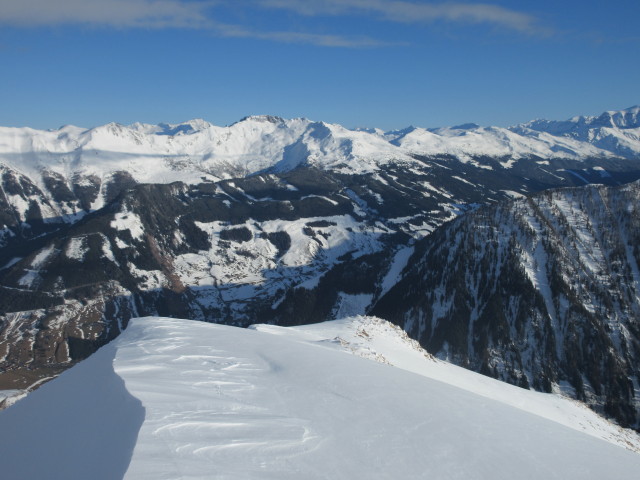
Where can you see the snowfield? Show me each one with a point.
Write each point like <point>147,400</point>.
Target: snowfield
<point>177,399</point>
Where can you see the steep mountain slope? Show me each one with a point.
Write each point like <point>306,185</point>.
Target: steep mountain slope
<point>180,399</point>
<point>384,342</point>
<point>542,292</point>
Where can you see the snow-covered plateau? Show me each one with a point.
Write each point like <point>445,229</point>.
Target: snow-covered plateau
<point>173,399</point>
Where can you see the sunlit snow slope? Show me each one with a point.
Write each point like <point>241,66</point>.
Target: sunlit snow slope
<point>377,339</point>
<point>177,399</point>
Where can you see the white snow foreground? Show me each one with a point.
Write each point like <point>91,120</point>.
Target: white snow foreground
<point>176,399</point>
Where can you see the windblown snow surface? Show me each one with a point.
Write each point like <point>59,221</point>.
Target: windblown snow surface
<point>177,399</point>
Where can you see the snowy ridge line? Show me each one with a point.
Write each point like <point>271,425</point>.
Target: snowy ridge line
<point>59,176</point>
<point>376,339</point>
<point>181,399</point>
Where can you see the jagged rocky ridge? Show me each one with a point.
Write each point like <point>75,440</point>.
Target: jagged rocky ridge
<point>542,292</point>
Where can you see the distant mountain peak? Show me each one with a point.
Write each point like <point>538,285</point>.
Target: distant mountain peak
<point>627,118</point>
<point>261,118</point>
<point>186,128</point>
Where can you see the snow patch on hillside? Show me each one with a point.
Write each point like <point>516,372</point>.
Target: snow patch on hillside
<point>129,221</point>
<point>77,248</point>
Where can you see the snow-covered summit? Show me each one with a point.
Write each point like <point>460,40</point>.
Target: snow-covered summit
<point>187,128</point>
<point>276,120</point>
<point>178,399</point>
<point>617,132</point>
<point>501,143</point>
<point>614,133</point>
<point>379,340</point>
<point>189,151</point>
<point>622,119</point>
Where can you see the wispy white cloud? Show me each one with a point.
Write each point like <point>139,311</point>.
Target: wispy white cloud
<point>411,12</point>
<point>156,14</point>
<point>323,40</point>
<point>112,13</point>
<point>199,14</point>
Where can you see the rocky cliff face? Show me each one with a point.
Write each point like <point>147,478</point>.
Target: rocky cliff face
<point>542,292</point>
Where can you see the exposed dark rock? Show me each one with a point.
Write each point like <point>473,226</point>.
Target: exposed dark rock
<point>57,186</point>
<point>241,234</point>
<point>120,182</point>
<point>86,189</point>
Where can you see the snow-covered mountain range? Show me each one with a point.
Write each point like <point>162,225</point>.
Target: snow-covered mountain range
<point>192,150</point>
<point>294,222</point>
<point>179,399</point>
<point>77,169</point>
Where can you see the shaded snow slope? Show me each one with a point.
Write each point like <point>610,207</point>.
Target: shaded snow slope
<point>222,402</point>
<point>82,425</point>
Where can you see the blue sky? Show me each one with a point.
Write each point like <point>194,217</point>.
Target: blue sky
<point>383,63</point>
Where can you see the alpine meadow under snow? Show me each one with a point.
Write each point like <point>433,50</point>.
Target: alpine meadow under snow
<point>180,399</point>
<point>466,238</point>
